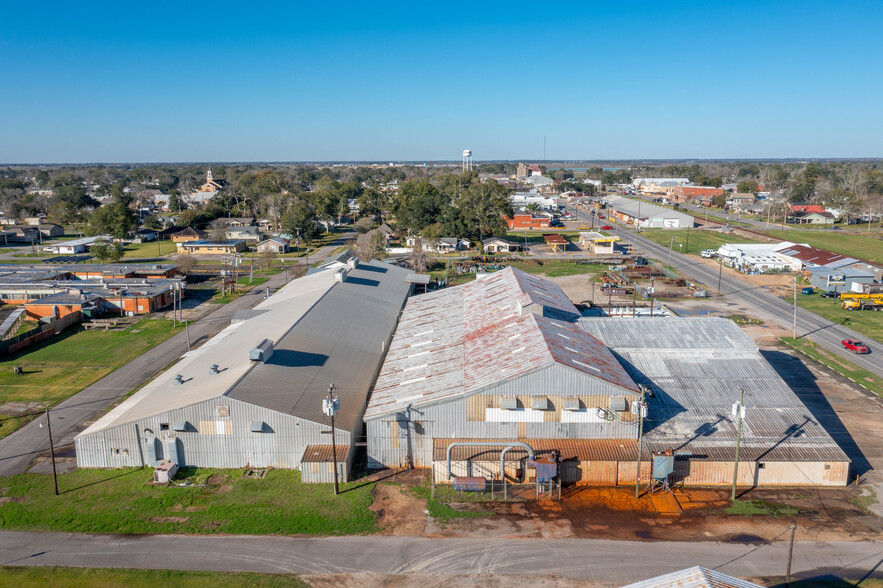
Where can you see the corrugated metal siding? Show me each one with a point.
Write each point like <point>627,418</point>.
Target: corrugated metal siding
<point>323,473</point>
<point>281,446</point>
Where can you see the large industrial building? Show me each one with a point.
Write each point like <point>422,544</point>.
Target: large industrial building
<point>647,215</point>
<point>508,358</point>
<point>252,395</point>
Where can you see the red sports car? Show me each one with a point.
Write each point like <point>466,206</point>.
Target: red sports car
<point>606,228</point>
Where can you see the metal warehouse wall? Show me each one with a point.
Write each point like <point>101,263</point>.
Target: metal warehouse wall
<point>281,445</point>
<point>390,441</point>
<point>592,473</point>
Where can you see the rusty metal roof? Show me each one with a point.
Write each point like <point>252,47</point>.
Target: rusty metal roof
<point>579,449</point>
<point>555,240</point>
<point>324,454</point>
<point>460,340</point>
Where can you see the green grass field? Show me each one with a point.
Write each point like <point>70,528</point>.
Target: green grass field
<point>63,365</point>
<point>216,502</point>
<point>698,239</point>
<point>852,242</point>
<point>870,381</point>
<point>866,322</point>
<point>150,250</point>
<point>127,578</point>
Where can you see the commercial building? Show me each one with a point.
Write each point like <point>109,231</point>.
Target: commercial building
<point>529,222</point>
<point>75,245</point>
<point>757,258</point>
<point>646,215</point>
<point>252,395</point>
<point>843,279</point>
<point>597,243</point>
<point>508,358</point>
<point>210,247</point>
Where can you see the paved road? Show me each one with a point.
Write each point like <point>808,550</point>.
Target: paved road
<point>809,325</point>
<point>18,450</point>
<point>584,559</point>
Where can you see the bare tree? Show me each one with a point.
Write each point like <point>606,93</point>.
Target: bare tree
<point>419,259</point>
<point>218,229</point>
<point>185,263</point>
<point>371,245</point>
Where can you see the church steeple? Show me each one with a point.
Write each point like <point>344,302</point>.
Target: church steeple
<point>208,176</point>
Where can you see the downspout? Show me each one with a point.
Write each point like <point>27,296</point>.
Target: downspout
<point>506,444</point>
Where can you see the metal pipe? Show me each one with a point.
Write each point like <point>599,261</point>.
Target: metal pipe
<point>483,444</point>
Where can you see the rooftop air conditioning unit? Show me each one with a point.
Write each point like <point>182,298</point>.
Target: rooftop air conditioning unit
<point>352,263</point>
<point>263,352</point>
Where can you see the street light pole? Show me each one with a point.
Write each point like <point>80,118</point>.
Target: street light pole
<point>794,321</point>
<point>738,410</point>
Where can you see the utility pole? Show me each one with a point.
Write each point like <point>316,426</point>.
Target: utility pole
<point>670,247</point>
<point>641,409</point>
<point>720,271</point>
<point>187,329</point>
<point>793,526</point>
<point>51,451</point>
<point>687,246</point>
<point>738,412</point>
<point>330,406</point>
<point>652,294</point>
<point>794,325</point>
<point>251,271</point>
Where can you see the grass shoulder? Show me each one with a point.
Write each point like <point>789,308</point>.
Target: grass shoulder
<point>843,367</point>
<point>199,501</point>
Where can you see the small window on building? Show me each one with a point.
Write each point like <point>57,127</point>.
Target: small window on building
<point>223,410</point>
<point>164,426</point>
<point>760,466</point>
<point>114,451</point>
<point>827,466</point>
<point>509,403</point>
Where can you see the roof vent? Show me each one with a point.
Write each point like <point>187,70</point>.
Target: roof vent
<point>352,263</point>
<point>262,352</point>
<point>530,308</point>
<point>339,275</point>
<point>179,379</point>
<point>213,369</point>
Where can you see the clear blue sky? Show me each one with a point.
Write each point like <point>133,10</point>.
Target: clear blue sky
<point>293,81</point>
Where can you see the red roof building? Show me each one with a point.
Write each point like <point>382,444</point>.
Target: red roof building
<point>528,222</point>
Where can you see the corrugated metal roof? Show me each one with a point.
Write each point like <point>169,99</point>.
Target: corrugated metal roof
<point>323,332</point>
<point>580,449</point>
<point>814,255</point>
<point>340,340</point>
<point>462,339</point>
<point>696,368</point>
<point>695,577</point>
<point>324,454</point>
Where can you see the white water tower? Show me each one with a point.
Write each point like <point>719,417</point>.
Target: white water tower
<point>467,159</point>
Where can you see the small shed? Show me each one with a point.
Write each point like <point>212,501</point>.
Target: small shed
<point>316,464</point>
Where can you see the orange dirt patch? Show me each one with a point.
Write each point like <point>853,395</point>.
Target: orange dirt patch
<point>397,512</point>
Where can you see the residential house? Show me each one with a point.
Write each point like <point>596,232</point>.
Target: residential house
<point>250,234</point>
<point>50,230</point>
<point>802,217</point>
<point>273,245</point>
<point>23,234</point>
<point>739,201</point>
<point>188,234</point>
<point>242,221</point>
<point>498,245</point>
<point>451,244</point>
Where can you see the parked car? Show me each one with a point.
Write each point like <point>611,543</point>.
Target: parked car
<point>555,223</point>
<point>567,216</point>
<point>835,228</point>
<point>708,253</point>
<point>607,228</point>
<point>830,294</point>
<point>601,216</point>
<point>855,346</point>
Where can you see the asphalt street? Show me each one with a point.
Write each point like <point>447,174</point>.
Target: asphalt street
<point>809,325</point>
<point>583,559</point>
<point>19,449</point>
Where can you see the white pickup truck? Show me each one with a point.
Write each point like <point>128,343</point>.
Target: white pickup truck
<point>708,253</point>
